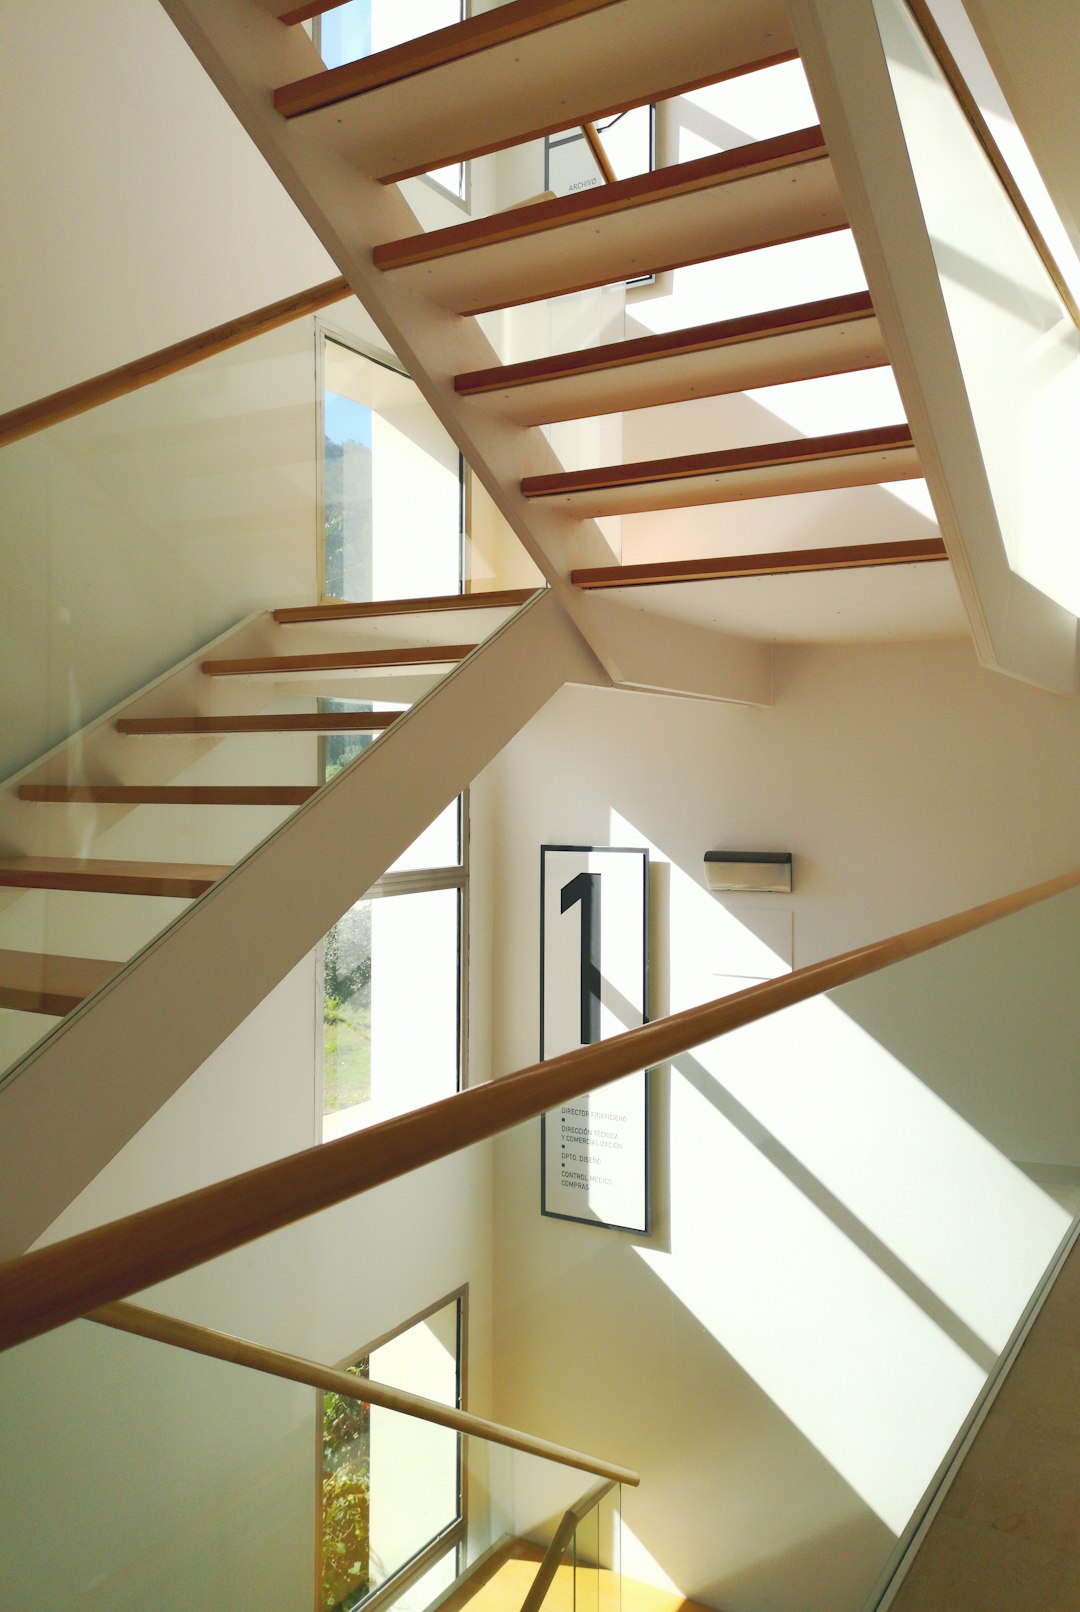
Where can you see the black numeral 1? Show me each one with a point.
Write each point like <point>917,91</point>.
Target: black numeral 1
<point>585,888</point>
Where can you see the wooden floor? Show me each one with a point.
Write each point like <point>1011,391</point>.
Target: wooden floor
<point>1007,1538</point>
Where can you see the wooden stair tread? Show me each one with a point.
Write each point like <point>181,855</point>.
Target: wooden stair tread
<point>285,722</point>
<point>678,467</point>
<point>350,610</point>
<point>172,794</point>
<point>101,875</point>
<point>809,464</point>
<point>478,93</point>
<point>511,22</point>
<point>827,337</point>
<point>291,13</point>
<point>728,202</point>
<point>421,655</point>
<point>294,12</point>
<point>657,572</point>
<point>37,982</point>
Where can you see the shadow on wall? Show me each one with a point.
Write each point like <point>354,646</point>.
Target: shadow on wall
<point>844,1246</point>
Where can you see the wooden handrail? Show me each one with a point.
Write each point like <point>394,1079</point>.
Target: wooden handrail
<point>600,156</point>
<point>58,1283</point>
<point>31,417</point>
<point>294,1368</point>
<point>560,1539</point>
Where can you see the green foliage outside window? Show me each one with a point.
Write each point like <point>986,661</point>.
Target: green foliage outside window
<point>346,1491</point>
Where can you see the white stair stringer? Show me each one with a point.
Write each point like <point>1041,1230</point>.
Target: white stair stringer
<point>1015,628</point>
<point>74,1100</point>
<point>248,54</point>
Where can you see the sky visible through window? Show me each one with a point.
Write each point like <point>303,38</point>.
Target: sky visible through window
<point>346,33</point>
<point>346,420</point>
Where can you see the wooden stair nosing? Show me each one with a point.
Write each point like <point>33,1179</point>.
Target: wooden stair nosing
<point>766,456</point>
<point>728,567</point>
<point>680,179</point>
<point>669,344</point>
<point>442,45</point>
<point>170,794</point>
<point>345,661</point>
<point>286,722</point>
<point>41,982</point>
<point>348,610</point>
<point>304,13</point>
<point>103,876</point>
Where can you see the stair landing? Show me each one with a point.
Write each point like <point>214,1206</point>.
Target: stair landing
<point>502,1584</point>
<point>1007,1537</point>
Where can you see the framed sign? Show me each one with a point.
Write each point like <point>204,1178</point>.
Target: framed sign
<point>594,924</point>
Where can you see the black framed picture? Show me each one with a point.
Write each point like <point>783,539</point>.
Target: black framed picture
<point>594,925</point>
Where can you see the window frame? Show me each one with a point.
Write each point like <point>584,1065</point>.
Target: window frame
<point>325,330</point>
<point>450,1538</point>
<point>414,881</point>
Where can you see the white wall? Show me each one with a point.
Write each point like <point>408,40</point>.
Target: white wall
<point>841,1240</point>
<point>137,212</point>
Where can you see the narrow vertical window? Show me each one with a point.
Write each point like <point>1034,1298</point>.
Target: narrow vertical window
<point>391,1503</point>
<point>391,484</point>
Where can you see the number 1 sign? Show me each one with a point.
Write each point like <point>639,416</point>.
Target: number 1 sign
<point>594,908</point>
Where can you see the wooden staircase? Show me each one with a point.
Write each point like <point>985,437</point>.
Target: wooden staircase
<point>52,982</point>
<point>339,141</point>
<point>498,81</point>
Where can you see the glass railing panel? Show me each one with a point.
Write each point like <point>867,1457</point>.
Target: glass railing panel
<point>1017,344</point>
<point>586,1552</point>
<point>854,1201</point>
<point>174,1480</point>
<point>198,498</point>
<point>138,1477</point>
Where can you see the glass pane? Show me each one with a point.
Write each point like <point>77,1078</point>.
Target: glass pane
<point>439,846</point>
<point>391,485</point>
<point>163,1480</point>
<point>364,26</point>
<point>380,1055</point>
<point>627,140</point>
<point>587,1563</point>
<point>390,1483</point>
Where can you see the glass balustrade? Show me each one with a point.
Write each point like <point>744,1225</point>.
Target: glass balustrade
<point>136,1473</point>
<point>856,1202</point>
<point>160,722</point>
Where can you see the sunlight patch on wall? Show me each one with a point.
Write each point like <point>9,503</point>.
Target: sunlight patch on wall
<point>858,1248</point>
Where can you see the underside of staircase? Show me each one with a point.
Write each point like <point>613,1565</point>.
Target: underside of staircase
<point>342,139</point>
<point>347,143</point>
